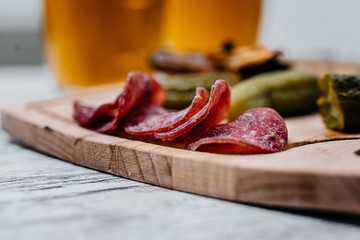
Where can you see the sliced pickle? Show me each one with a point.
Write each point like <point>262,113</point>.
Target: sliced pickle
<point>339,101</point>
<point>181,87</point>
<point>289,92</point>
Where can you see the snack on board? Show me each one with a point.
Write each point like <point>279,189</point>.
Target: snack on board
<point>145,116</point>
<point>180,88</point>
<point>149,119</point>
<point>181,72</point>
<point>172,61</point>
<point>339,101</point>
<point>289,92</point>
<point>211,114</point>
<point>139,111</point>
<point>246,61</point>
<point>139,88</point>
<point>257,130</point>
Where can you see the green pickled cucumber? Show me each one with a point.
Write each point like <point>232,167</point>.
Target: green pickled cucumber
<point>289,92</point>
<point>178,100</point>
<point>181,88</point>
<point>339,101</point>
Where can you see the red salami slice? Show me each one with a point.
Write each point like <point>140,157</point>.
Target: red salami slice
<point>211,114</point>
<point>150,119</point>
<point>257,130</point>
<point>139,88</point>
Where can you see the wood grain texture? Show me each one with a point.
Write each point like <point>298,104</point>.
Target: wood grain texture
<point>323,176</point>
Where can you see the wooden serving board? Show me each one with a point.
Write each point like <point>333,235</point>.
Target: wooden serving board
<point>320,169</point>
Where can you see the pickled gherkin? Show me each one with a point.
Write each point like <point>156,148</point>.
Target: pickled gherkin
<point>289,92</point>
<point>339,101</point>
<point>181,88</point>
<point>178,100</point>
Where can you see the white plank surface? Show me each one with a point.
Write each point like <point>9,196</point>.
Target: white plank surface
<point>42,197</point>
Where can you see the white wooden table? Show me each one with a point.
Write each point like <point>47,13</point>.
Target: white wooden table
<point>42,197</point>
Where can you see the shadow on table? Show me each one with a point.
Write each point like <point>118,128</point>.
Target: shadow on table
<point>337,217</point>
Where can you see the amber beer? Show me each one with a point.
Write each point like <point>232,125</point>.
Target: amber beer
<point>93,42</point>
<point>206,24</point>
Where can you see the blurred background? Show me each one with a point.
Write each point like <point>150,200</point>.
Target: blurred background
<point>20,32</point>
<point>302,29</point>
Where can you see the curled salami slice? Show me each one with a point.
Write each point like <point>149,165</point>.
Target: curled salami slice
<point>211,114</point>
<point>149,119</point>
<point>139,88</point>
<point>257,130</point>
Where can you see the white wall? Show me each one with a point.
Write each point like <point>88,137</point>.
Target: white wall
<point>20,15</point>
<point>20,34</point>
<point>306,29</point>
<point>313,29</point>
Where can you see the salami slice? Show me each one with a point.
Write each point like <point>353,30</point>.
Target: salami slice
<point>149,119</point>
<point>211,114</point>
<point>257,130</point>
<point>139,88</point>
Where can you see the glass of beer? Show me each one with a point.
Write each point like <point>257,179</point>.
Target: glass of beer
<point>91,42</point>
<point>204,25</point>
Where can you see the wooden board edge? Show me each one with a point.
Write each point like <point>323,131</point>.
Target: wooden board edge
<point>179,171</point>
